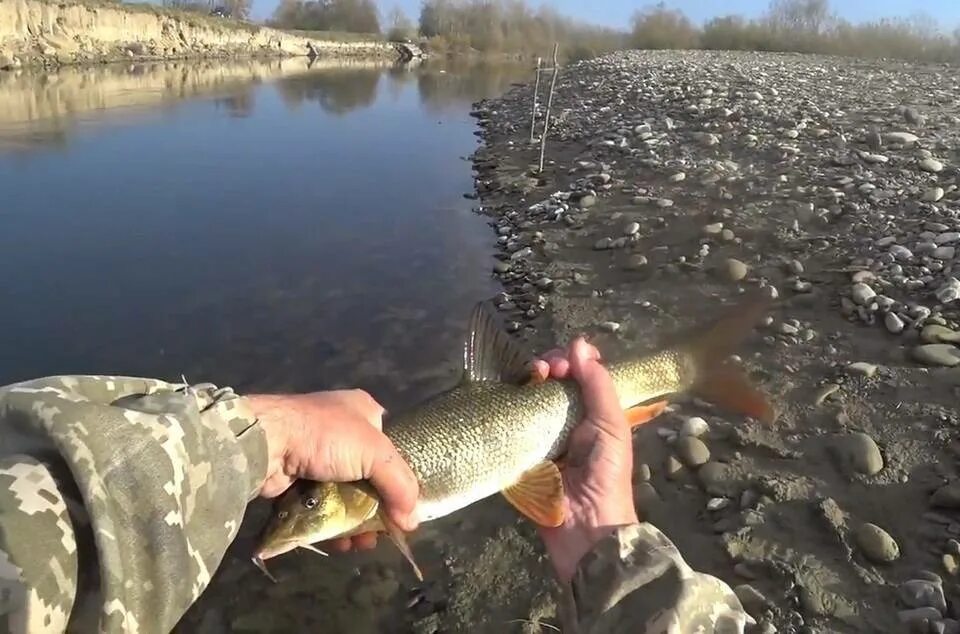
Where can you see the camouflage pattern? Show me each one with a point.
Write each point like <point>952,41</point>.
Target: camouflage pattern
<point>118,499</point>
<point>636,581</point>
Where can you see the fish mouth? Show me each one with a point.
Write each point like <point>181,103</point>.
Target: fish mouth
<point>276,550</point>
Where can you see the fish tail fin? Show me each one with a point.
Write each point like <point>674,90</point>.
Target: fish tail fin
<point>717,380</point>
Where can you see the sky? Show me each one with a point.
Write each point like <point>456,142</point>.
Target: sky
<point>617,12</point>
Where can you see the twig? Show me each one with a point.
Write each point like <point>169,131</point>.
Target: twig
<point>546,119</point>
<point>536,94</point>
<point>537,623</point>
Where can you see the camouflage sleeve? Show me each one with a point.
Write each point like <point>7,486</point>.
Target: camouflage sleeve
<point>118,499</point>
<point>636,581</point>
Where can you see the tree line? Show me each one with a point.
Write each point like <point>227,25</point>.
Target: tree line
<point>514,27</point>
<point>801,26</point>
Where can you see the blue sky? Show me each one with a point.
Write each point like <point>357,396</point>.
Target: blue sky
<point>618,12</point>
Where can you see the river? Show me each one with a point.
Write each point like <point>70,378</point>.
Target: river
<point>264,225</point>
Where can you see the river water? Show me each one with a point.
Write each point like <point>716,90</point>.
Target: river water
<point>265,225</point>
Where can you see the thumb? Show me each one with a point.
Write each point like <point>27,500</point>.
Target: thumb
<point>393,479</point>
<point>597,388</point>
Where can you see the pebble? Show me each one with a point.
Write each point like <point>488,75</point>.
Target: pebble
<point>921,593</point>
<point>588,200</point>
<point>717,504</point>
<point>944,253</point>
<point>904,138</point>
<point>672,467</point>
<point>893,323</point>
<point>950,563</point>
<point>863,368</point>
<point>664,202</point>
<point>876,544</point>
<point>713,229</point>
<point>949,291</point>
<point>901,252</point>
<point>632,229</point>
<point>858,451</point>
<point>694,426</point>
<point>716,479</point>
<point>751,599</point>
<point>676,178</point>
<point>692,451</point>
<point>919,614</point>
<point>861,293</point>
<point>643,472</point>
<point>943,354</point>
<point>947,496</point>
<point>933,194</point>
<point>934,333</point>
<point>736,270</point>
<point>931,165</point>
<point>610,326</point>
<point>645,496</point>
<point>501,267</point>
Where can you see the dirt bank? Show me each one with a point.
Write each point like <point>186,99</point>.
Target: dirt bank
<point>36,32</point>
<point>675,182</point>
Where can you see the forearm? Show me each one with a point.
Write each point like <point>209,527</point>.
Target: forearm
<point>635,580</point>
<point>163,473</point>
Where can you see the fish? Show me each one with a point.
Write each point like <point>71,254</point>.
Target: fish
<point>503,430</point>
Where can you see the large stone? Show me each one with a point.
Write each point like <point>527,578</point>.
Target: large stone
<point>858,452</point>
<point>692,451</point>
<point>735,270</point>
<point>931,165</point>
<point>922,593</point>
<point>943,354</point>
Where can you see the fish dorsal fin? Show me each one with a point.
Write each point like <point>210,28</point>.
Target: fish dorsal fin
<point>490,354</point>
<point>538,495</point>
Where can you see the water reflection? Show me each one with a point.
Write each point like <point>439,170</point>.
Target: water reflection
<point>44,110</point>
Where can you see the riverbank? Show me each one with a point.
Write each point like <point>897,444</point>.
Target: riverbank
<point>49,34</point>
<point>676,181</point>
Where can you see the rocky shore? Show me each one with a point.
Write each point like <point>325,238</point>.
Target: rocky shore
<point>47,34</point>
<point>676,181</point>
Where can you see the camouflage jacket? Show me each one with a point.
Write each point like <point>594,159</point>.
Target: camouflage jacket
<point>119,497</point>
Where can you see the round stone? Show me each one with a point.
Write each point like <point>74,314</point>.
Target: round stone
<point>876,544</point>
<point>943,354</point>
<point>691,451</point>
<point>736,270</point>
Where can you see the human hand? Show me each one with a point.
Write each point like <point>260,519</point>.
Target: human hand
<point>335,437</point>
<point>597,475</point>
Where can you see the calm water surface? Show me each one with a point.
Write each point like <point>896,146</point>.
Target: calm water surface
<point>265,225</point>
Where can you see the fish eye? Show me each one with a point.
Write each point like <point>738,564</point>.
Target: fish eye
<point>310,502</point>
<point>282,515</point>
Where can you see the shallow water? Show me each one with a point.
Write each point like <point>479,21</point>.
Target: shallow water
<point>266,225</point>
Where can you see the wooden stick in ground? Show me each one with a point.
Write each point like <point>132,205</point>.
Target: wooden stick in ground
<point>546,118</point>
<point>536,94</point>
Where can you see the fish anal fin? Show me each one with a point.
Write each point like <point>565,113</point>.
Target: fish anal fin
<point>399,539</point>
<point>729,388</point>
<point>641,414</point>
<point>538,495</point>
<point>491,354</point>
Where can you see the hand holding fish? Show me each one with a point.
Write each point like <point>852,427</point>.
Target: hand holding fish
<point>599,461</point>
<point>335,437</point>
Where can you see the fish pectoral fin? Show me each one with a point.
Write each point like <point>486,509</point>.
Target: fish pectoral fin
<point>728,387</point>
<point>640,414</point>
<point>490,354</point>
<point>538,495</point>
<point>399,539</point>
<point>313,549</point>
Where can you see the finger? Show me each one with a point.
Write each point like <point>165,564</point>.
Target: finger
<point>341,545</point>
<point>393,479</point>
<point>557,364</point>
<point>365,541</point>
<point>540,370</point>
<point>596,385</point>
